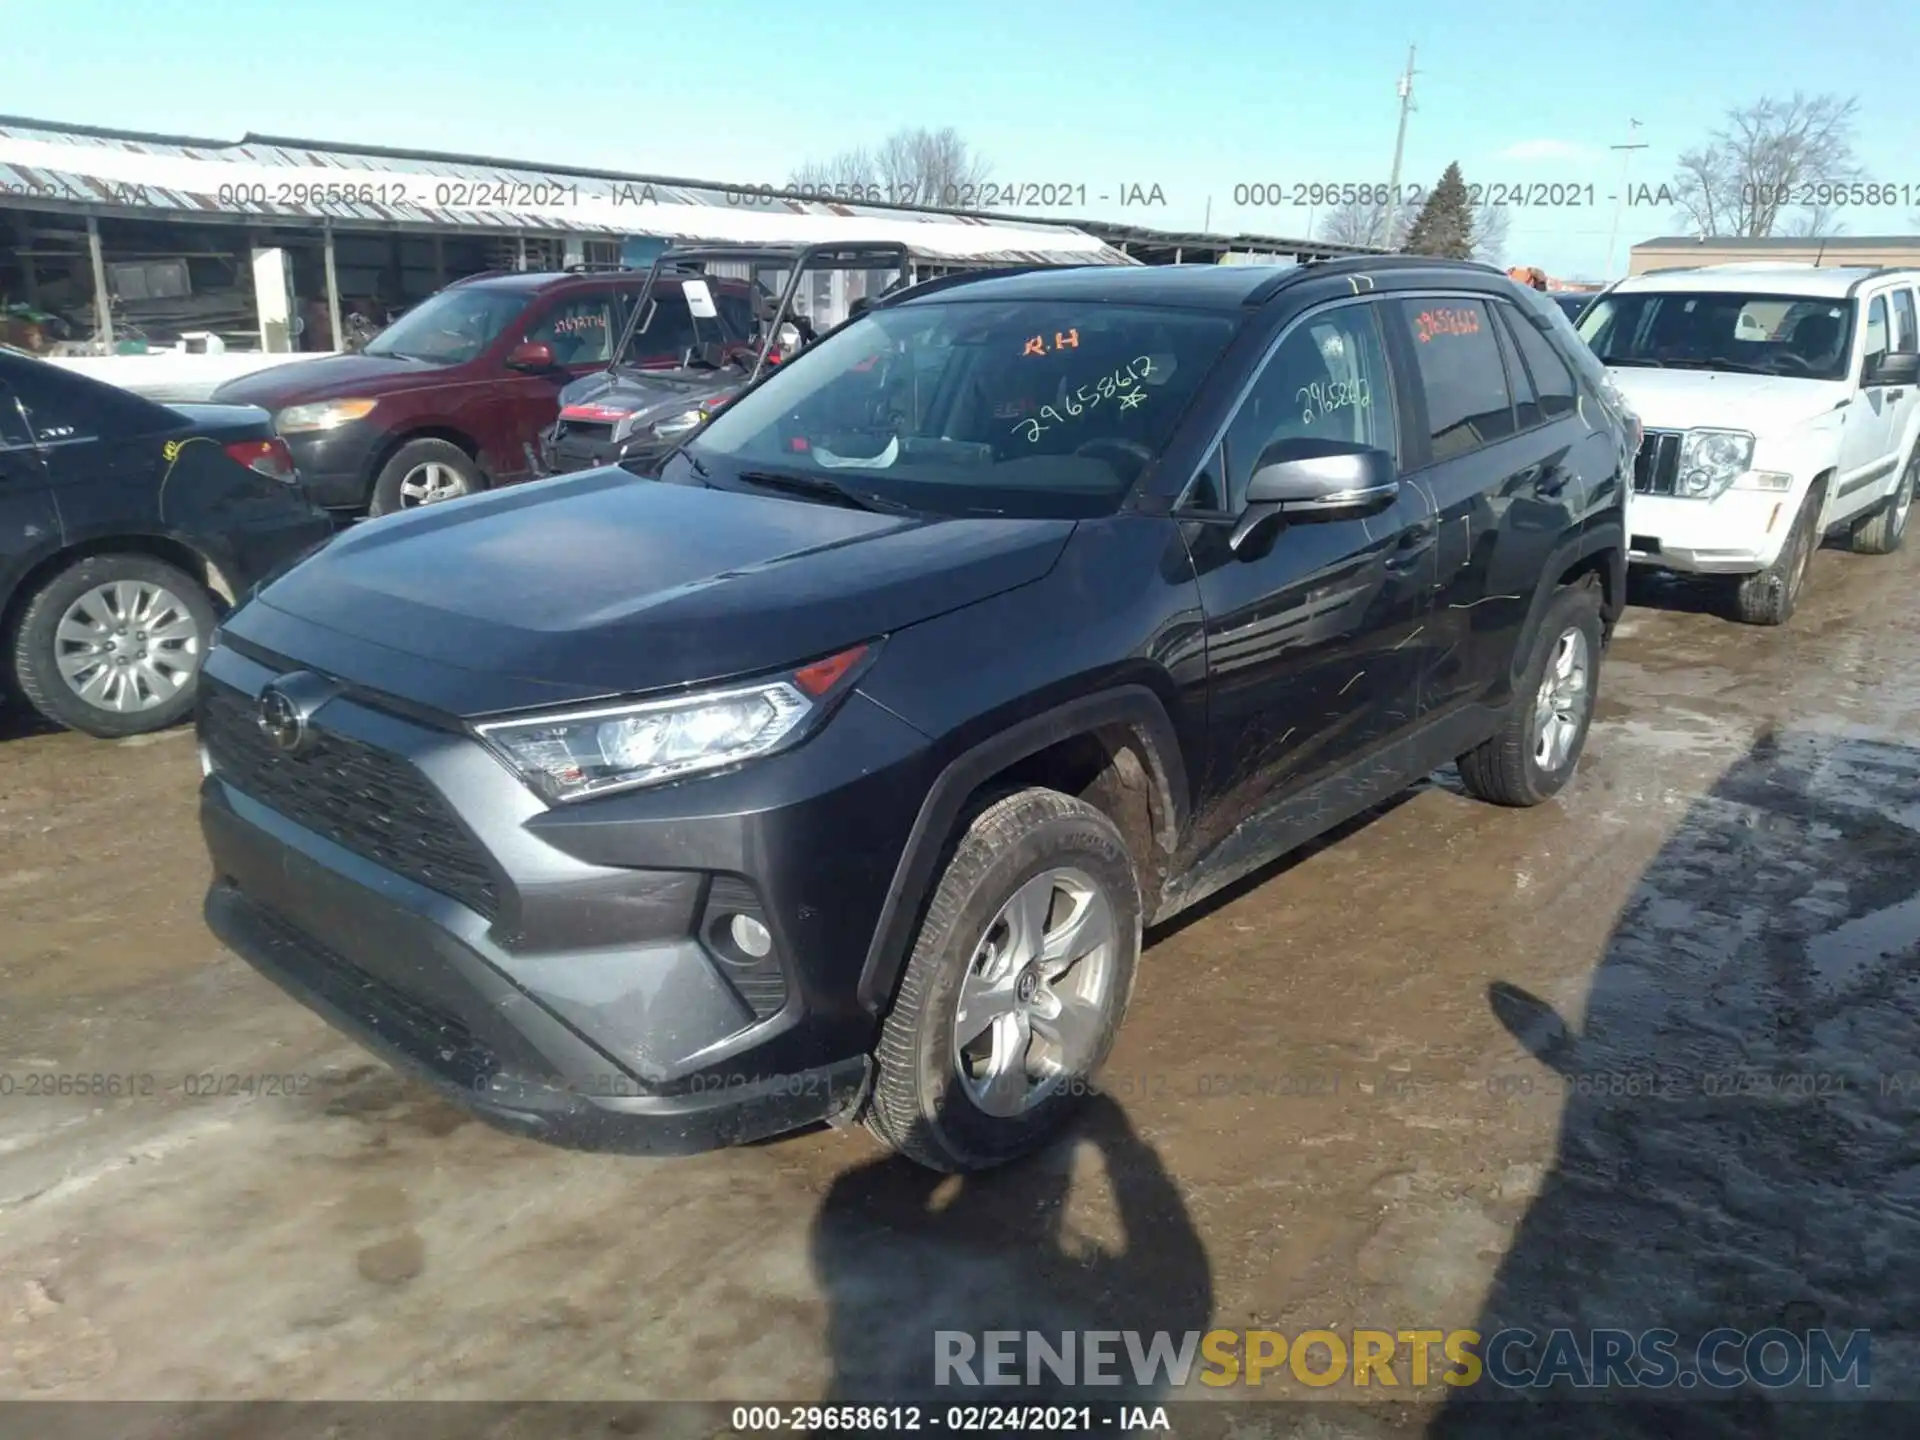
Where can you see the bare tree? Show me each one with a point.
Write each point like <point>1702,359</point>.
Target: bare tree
<point>1745,179</point>
<point>1360,222</point>
<point>1490,234</point>
<point>850,168</point>
<point>936,165</point>
<point>914,166</point>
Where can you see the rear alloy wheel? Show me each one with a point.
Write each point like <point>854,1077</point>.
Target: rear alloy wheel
<point>1770,596</point>
<point>113,645</point>
<point>1881,532</point>
<point>424,472</point>
<point>1533,754</point>
<point>1017,983</point>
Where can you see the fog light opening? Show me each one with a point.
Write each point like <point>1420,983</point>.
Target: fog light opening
<point>753,938</point>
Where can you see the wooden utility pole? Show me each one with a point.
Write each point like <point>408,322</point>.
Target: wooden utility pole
<point>1399,148</point>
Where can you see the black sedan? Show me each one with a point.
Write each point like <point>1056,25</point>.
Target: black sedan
<point>124,526</point>
<point>1573,302</point>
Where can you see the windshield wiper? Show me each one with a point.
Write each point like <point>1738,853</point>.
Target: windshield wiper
<point>822,488</point>
<point>1632,360</point>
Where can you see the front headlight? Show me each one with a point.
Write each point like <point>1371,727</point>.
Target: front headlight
<point>1709,462</point>
<point>324,415</point>
<point>571,755</point>
<point>675,426</point>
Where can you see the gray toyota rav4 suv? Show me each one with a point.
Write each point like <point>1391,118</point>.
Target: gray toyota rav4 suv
<point>835,773</point>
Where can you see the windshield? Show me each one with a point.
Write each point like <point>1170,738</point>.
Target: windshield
<point>1048,408</point>
<point>1723,330</point>
<point>449,328</point>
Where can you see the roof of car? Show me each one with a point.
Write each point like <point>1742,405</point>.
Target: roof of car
<point>1202,287</point>
<point>542,279</point>
<point>1774,278</point>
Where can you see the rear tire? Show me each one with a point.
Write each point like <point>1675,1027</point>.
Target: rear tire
<point>1770,596</point>
<point>70,621</point>
<point>1535,751</point>
<point>955,1100</point>
<point>1881,532</point>
<point>424,472</point>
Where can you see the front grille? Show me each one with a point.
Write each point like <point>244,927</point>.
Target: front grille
<point>367,800</point>
<point>1657,466</point>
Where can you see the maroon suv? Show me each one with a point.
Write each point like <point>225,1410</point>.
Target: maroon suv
<point>452,397</point>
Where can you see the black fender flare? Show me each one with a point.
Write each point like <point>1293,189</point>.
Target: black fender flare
<point>1133,706</point>
<point>1610,535</point>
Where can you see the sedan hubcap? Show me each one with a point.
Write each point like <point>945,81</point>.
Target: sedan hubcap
<point>127,646</point>
<point>424,484</point>
<point>1561,705</point>
<point>1038,993</point>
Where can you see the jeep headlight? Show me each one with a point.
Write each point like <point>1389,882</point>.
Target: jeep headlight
<point>570,755</point>
<point>1709,462</point>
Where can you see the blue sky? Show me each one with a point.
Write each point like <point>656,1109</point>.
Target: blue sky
<point>1196,98</point>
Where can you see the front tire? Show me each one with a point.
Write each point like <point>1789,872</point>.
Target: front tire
<point>1881,532</point>
<point>112,645</point>
<point>424,472</point>
<point>1770,596</point>
<point>1018,980</point>
<point>1533,754</point>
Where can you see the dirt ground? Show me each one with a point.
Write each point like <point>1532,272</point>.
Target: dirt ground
<point>1366,1088</point>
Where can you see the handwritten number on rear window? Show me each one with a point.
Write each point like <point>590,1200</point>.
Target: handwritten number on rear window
<point>1120,382</point>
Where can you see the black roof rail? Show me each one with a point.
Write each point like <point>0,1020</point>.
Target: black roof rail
<point>1360,264</point>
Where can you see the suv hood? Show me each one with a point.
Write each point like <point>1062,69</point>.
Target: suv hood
<point>629,400</point>
<point>600,584</point>
<point>328,377</point>
<point>1724,399</point>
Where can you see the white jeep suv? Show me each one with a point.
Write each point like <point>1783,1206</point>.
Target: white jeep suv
<point>1780,403</point>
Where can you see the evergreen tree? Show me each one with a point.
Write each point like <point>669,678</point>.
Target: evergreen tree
<point>1444,226</point>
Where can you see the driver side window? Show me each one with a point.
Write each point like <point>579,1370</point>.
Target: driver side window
<point>1327,381</point>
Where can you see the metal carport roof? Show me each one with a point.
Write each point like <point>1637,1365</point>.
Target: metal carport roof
<point>48,165</point>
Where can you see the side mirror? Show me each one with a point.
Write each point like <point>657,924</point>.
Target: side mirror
<point>530,355</point>
<point>1896,367</point>
<point>1306,479</point>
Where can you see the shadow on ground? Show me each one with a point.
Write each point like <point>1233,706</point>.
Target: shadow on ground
<point>1737,1144</point>
<point>903,1253</point>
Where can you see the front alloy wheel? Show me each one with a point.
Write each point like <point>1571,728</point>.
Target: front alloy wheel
<point>1037,993</point>
<point>1018,980</point>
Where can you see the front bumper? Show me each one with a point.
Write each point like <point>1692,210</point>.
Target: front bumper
<point>557,971</point>
<point>336,465</point>
<point>564,451</point>
<point>1741,532</point>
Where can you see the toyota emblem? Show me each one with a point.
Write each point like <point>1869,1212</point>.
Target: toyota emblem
<point>281,721</point>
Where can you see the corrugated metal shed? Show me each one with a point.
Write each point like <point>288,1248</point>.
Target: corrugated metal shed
<point>268,178</point>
